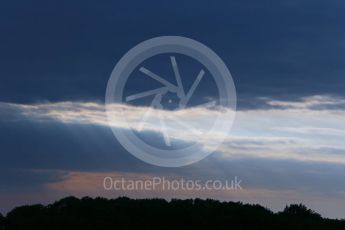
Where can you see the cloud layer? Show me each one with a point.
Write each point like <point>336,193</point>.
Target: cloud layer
<point>304,130</point>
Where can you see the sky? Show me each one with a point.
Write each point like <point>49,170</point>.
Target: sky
<point>287,62</point>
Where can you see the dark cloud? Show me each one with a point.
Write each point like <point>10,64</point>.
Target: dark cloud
<point>12,180</point>
<point>49,145</point>
<point>65,50</point>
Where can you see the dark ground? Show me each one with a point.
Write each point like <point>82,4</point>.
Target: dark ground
<point>125,213</point>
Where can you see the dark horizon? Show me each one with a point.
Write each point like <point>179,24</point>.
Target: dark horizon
<point>126,213</point>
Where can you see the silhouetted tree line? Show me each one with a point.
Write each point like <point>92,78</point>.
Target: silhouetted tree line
<point>125,213</point>
<point>2,222</point>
